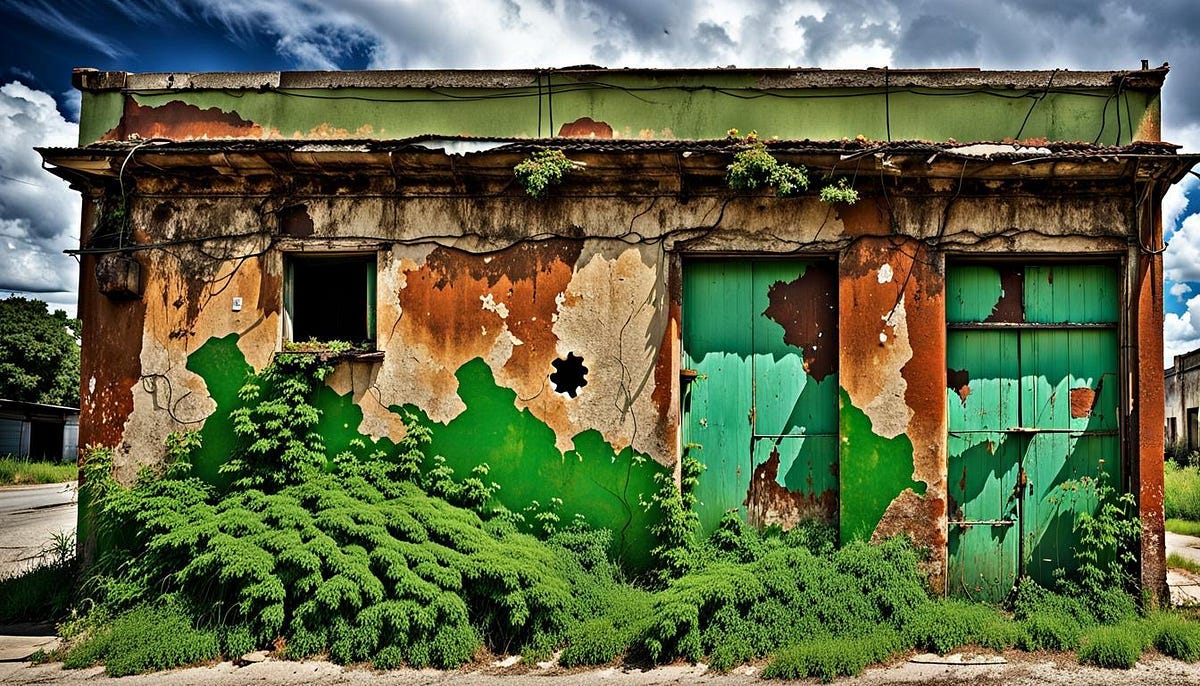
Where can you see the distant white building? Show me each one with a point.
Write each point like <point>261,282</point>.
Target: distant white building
<point>1183,401</point>
<point>37,431</point>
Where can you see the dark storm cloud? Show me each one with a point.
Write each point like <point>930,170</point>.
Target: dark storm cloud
<point>936,40</point>
<point>853,22</point>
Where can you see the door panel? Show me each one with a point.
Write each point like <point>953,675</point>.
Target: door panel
<point>716,298</point>
<point>1046,384</point>
<point>763,407</point>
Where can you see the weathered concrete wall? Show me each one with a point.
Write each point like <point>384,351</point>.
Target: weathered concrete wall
<point>478,294</point>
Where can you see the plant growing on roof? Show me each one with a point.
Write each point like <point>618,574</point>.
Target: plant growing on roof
<point>754,167</point>
<point>839,192</point>
<point>543,169</point>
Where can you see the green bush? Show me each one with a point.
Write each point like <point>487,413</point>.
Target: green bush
<point>829,658</point>
<point>736,611</point>
<point>949,624</point>
<point>1115,647</point>
<point>1181,491</point>
<point>1176,637</point>
<point>351,564</point>
<point>147,638</point>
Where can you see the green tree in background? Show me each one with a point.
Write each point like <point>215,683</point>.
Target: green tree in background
<point>39,353</point>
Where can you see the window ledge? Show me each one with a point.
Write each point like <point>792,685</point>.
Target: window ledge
<point>339,356</point>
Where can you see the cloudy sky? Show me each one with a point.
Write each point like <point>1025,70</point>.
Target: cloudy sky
<point>45,39</point>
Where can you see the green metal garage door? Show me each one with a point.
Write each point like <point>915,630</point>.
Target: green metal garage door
<point>1032,404</point>
<point>760,339</point>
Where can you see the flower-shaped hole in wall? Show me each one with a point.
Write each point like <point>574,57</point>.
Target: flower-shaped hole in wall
<point>568,375</point>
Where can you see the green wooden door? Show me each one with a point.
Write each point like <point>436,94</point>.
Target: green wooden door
<point>1033,408</point>
<point>761,414</point>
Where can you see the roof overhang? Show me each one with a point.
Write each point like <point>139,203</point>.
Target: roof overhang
<point>93,164</point>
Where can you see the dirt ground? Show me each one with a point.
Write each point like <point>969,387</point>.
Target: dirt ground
<point>1021,669</point>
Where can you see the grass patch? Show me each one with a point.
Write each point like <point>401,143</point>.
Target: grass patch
<point>829,658</point>
<point>148,638</point>
<point>1181,493</point>
<point>1176,637</point>
<point>1185,527</point>
<point>14,472</point>
<point>44,592</point>
<point>948,624</point>
<point>1180,562</point>
<point>1115,647</point>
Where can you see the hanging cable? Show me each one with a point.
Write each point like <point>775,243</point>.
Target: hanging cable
<point>1038,99</point>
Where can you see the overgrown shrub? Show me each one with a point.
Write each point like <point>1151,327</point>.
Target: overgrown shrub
<point>754,168</point>
<point>351,563</point>
<point>829,658</point>
<point>738,610</point>
<point>948,624</point>
<point>147,638</point>
<point>1118,646</point>
<point>1176,637</point>
<point>1049,621</point>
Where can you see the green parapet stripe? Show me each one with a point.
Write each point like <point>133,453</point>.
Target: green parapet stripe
<point>678,108</point>
<point>874,470</point>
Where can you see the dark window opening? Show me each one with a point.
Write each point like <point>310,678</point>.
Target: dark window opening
<point>45,441</point>
<point>332,298</point>
<point>569,375</point>
<point>1193,427</point>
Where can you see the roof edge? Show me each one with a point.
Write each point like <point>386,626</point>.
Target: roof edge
<point>94,80</point>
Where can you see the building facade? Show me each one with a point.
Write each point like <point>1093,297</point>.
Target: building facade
<point>1182,392</point>
<point>937,359</point>
<point>37,431</point>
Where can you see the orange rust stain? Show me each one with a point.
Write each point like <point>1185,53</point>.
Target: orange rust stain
<point>662,395</point>
<point>112,357</point>
<point>1083,400</point>
<point>806,309</point>
<point>867,217</point>
<point>178,120</point>
<point>443,305</point>
<point>585,127</point>
<point>767,503</point>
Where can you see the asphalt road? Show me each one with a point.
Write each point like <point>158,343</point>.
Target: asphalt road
<point>30,517</point>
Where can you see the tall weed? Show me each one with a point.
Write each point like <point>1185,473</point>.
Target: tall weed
<point>1181,491</point>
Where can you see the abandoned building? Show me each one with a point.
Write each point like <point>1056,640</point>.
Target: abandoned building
<point>938,358</point>
<point>38,431</point>
<point>1182,392</point>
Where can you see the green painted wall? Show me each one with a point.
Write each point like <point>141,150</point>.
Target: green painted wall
<point>700,107</point>
<point>874,470</point>
<point>607,487</point>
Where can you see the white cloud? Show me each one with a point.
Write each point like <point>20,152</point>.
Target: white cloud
<point>1181,332</point>
<point>1181,262</point>
<point>1180,289</point>
<point>39,213</point>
